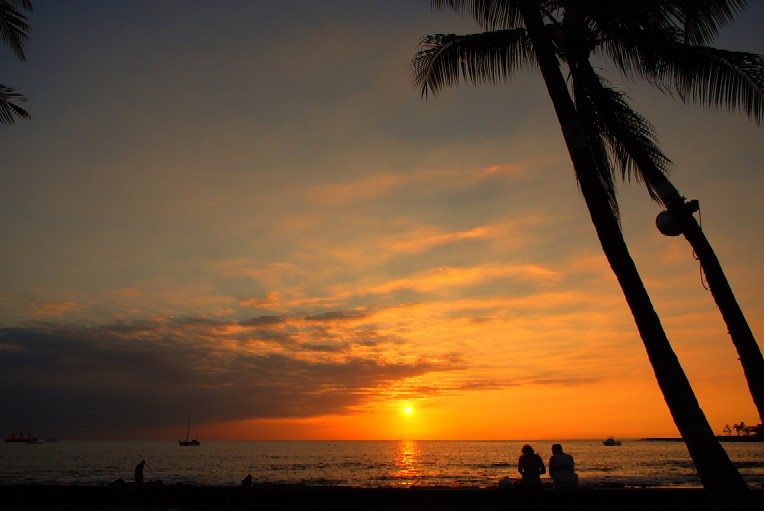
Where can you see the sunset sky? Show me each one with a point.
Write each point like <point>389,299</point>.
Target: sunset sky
<point>242,213</point>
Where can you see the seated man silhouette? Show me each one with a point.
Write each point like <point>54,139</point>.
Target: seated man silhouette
<point>561,469</point>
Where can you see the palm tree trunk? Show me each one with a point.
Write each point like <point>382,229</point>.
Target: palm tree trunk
<point>741,334</point>
<point>715,469</point>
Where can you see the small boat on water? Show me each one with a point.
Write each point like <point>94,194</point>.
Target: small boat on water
<point>187,442</point>
<point>611,441</point>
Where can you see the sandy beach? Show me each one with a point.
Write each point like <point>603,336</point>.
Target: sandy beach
<point>347,498</point>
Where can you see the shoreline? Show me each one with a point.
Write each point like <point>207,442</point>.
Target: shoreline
<point>296,497</point>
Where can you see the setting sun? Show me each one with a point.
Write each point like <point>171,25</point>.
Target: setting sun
<point>408,410</point>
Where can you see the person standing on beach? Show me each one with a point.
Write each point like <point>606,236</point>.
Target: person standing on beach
<point>561,469</point>
<point>530,466</point>
<point>139,472</point>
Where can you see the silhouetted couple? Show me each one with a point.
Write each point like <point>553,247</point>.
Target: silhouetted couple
<point>561,468</point>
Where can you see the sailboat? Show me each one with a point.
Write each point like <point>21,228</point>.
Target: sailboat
<point>187,442</point>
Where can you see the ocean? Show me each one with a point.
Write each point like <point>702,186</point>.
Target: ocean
<point>366,464</point>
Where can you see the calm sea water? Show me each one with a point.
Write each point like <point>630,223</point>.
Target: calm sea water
<point>355,463</point>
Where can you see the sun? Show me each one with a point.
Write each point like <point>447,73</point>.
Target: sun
<point>408,410</point>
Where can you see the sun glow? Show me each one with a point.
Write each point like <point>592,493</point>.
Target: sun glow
<point>408,410</point>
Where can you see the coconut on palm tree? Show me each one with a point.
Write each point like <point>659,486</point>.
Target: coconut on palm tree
<point>515,37</point>
<point>14,31</point>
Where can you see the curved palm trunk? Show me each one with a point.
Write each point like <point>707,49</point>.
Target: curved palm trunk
<point>715,469</point>
<point>737,325</point>
<point>741,334</point>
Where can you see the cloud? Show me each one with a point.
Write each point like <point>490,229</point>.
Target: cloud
<point>270,300</point>
<point>263,321</point>
<point>342,315</point>
<point>129,377</point>
<point>56,309</point>
<point>440,278</point>
<point>420,182</point>
<point>132,378</point>
<point>365,189</point>
<point>420,242</point>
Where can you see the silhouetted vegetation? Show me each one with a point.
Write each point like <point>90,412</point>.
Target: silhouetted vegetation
<point>14,32</point>
<point>743,430</point>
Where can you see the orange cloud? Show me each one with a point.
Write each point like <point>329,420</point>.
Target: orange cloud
<point>377,185</point>
<point>419,242</point>
<point>364,189</point>
<point>269,301</point>
<point>54,309</point>
<point>440,278</point>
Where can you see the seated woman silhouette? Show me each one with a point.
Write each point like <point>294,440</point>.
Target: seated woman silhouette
<point>530,467</point>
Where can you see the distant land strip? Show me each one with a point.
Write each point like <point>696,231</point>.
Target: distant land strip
<point>720,438</point>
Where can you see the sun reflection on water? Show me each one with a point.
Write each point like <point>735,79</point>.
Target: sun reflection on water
<point>407,463</point>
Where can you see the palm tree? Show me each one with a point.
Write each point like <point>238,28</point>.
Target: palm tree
<point>14,31</point>
<point>666,50</point>
<point>515,38</point>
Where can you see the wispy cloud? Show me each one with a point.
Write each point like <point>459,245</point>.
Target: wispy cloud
<point>57,309</point>
<point>440,278</point>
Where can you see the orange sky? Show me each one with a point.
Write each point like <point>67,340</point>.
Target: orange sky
<point>247,216</point>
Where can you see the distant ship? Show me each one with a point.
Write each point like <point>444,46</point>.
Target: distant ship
<point>187,442</point>
<point>611,441</point>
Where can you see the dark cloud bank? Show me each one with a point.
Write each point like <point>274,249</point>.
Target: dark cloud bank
<point>128,379</point>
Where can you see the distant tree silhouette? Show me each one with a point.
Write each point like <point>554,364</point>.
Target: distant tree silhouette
<point>14,32</point>
<point>515,37</point>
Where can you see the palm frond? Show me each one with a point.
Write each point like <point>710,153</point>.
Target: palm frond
<point>14,29</point>
<point>702,19</point>
<point>490,14</point>
<point>633,47</point>
<point>715,77</point>
<point>8,110</point>
<point>21,4</point>
<point>600,155</point>
<point>632,140</point>
<point>612,17</point>
<point>709,76</point>
<point>487,57</point>
<point>699,21</point>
